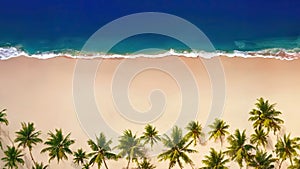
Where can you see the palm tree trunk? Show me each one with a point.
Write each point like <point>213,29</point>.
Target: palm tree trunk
<point>128,163</point>
<point>291,160</point>
<point>105,163</point>
<point>31,156</point>
<point>279,167</point>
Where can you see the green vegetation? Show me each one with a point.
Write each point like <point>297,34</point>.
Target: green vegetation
<point>246,149</point>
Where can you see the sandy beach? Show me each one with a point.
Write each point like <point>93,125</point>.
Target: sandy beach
<point>40,91</point>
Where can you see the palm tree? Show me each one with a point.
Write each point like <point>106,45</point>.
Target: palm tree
<point>28,137</point>
<point>86,166</point>
<point>194,131</point>
<point>219,129</point>
<point>265,116</point>
<point>58,145</point>
<point>261,160</point>
<point>260,137</point>
<point>101,151</point>
<point>150,135</point>
<point>216,160</point>
<point>296,164</point>
<point>13,158</point>
<point>239,150</point>
<point>286,148</point>
<point>79,157</point>
<point>3,120</point>
<point>145,164</point>
<point>177,149</point>
<point>39,166</point>
<point>130,147</point>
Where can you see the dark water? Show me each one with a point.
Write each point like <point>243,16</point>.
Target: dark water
<point>55,25</point>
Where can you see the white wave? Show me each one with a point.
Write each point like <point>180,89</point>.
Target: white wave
<point>276,53</point>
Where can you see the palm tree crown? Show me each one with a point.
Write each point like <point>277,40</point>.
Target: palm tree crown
<point>28,137</point>
<point>39,166</point>
<point>150,135</point>
<point>177,149</point>
<point>58,145</point>
<point>260,137</point>
<point>101,151</point>
<point>265,116</point>
<point>194,131</point>
<point>215,160</point>
<point>239,150</point>
<point>261,160</point>
<point>79,157</point>
<point>13,157</point>
<point>130,147</point>
<point>219,129</point>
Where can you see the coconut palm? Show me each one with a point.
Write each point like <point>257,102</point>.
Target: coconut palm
<point>194,131</point>
<point>286,148</point>
<point>101,151</point>
<point>86,166</point>
<point>261,160</point>
<point>265,116</point>
<point>3,120</point>
<point>39,166</point>
<point>79,157</point>
<point>145,164</point>
<point>239,150</point>
<point>58,145</point>
<point>13,157</point>
<point>259,137</point>
<point>215,160</point>
<point>130,147</point>
<point>27,137</point>
<point>219,129</point>
<point>150,136</point>
<point>177,149</point>
<point>296,164</point>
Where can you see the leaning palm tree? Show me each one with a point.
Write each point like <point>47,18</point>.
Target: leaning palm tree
<point>130,147</point>
<point>265,116</point>
<point>239,150</point>
<point>27,137</point>
<point>145,164</point>
<point>150,136</point>
<point>39,166</point>
<point>259,137</point>
<point>101,151</point>
<point>219,129</point>
<point>80,157</point>
<point>58,145</point>
<point>215,160</point>
<point>177,149</point>
<point>13,157</point>
<point>261,160</point>
<point>286,148</point>
<point>296,164</point>
<point>194,131</point>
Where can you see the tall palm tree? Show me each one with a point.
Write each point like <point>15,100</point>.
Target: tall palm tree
<point>296,164</point>
<point>39,166</point>
<point>239,150</point>
<point>3,120</point>
<point>79,157</point>
<point>131,147</point>
<point>215,160</point>
<point>150,135</point>
<point>13,157</point>
<point>145,164</point>
<point>86,166</point>
<point>261,160</point>
<point>194,131</point>
<point>219,129</point>
<point>286,148</point>
<point>58,145</point>
<point>27,137</point>
<point>177,149</point>
<point>265,116</point>
<point>260,137</point>
<point>101,151</point>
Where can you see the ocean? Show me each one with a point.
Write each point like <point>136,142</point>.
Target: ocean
<point>51,28</point>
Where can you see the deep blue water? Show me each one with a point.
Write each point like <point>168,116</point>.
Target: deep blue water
<point>37,25</point>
